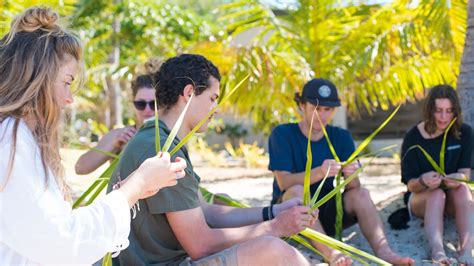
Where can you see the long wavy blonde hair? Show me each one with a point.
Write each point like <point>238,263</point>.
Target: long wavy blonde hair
<point>30,57</point>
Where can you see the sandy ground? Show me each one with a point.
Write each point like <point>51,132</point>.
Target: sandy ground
<point>254,186</point>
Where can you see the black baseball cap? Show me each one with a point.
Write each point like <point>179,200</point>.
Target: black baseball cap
<point>321,92</point>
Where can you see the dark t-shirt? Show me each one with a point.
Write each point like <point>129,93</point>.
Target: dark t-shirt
<point>457,155</point>
<point>152,241</point>
<point>287,150</point>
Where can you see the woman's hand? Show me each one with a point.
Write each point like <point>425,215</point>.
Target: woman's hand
<point>154,173</point>
<point>121,136</point>
<point>451,183</point>
<point>431,179</point>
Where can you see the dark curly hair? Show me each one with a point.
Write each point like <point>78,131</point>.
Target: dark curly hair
<point>429,108</point>
<point>179,71</point>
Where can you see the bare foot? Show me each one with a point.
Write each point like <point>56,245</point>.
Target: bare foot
<point>442,259</point>
<point>389,256</point>
<point>339,259</point>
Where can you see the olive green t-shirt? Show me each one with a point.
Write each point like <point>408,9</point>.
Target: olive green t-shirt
<point>152,241</point>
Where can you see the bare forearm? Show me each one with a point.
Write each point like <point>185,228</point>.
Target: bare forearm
<point>286,180</point>
<point>91,160</point>
<point>218,216</point>
<point>219,239</point>
<point>414,185</point>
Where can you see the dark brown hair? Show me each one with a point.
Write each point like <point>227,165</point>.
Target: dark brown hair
<point>429,108</point>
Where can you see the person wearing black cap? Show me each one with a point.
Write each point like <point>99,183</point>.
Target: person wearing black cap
<point>287,149</point>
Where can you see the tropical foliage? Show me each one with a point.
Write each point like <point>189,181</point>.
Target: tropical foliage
<point>377,55</point>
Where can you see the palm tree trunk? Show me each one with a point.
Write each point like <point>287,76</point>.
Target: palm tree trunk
<point>466,75</point>
<point>115,95</point>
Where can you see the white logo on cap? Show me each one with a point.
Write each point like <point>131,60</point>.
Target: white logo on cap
<point>324,91</point>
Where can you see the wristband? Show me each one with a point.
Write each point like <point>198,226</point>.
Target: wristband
<point>422,182</point>
<point>265,214</point>
<point>271,212</point>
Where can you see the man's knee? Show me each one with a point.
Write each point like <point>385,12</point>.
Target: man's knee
<point>359,194</point>
<point>273,247</point>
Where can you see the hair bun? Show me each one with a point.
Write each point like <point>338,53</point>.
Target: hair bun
<point>152,65</point>
<point>35,18</point>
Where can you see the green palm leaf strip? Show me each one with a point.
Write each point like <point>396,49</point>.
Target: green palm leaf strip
<point>157,130</point>
<point>107,260</point>
<point>300,240</point>
<point>308,233</point>
<point>367,141</point>
<point>98,185</point>
<point>328,140</point>
<point>371,154</point>
<point>428,158</point>
<point>196,128</point>
<point>443,145</point>
<point>339,210</point>
<point>110,154</point>
<point>309,162</point>
<point>337,189</point>
<point>318,191</point>
<point>176,126</point>
<point>338,245</point>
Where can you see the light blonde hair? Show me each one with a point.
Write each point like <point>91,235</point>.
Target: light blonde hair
<point>30,57</point>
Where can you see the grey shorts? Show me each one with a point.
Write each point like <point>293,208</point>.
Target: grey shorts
<point>225,257</point>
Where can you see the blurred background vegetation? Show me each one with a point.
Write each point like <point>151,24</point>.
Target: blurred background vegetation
<point>378,53</point>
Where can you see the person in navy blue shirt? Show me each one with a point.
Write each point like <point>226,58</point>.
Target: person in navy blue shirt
<point>287,149</point>
<point>426,197</point>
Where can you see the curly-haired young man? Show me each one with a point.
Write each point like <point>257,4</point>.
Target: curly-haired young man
<point>176,226</point>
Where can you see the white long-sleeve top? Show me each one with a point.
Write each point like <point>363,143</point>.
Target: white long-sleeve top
<point>37,226</point>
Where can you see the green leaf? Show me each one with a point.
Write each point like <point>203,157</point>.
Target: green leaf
<point>370,154</point>
<point>466,181</point>
<point>157,131</point>
<point>318,191</point>
<point>324,239</point>
<point>443,145</point>
<point>429,158</point>
<point>176,126</point>
<point>191,133</point>
<point>298,239</point>
<point>309,162</point>
<point>331,147</point>
<point>110,154</point>
<point>107,260</point>
<point>98,182</point>
<point>338,188</point>
<point>366,141</point>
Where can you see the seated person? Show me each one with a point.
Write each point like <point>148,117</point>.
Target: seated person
<point>287,148</point>
<point>115,140</point>
<point>176,226</point>
<point>426,198</point>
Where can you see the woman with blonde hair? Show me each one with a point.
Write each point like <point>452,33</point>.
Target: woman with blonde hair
<point>39,59</point>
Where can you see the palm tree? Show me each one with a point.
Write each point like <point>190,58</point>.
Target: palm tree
<point>378,55</point>
<point>466,75</point>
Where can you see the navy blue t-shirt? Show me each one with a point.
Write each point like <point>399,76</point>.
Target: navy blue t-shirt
<point>287,150</point>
